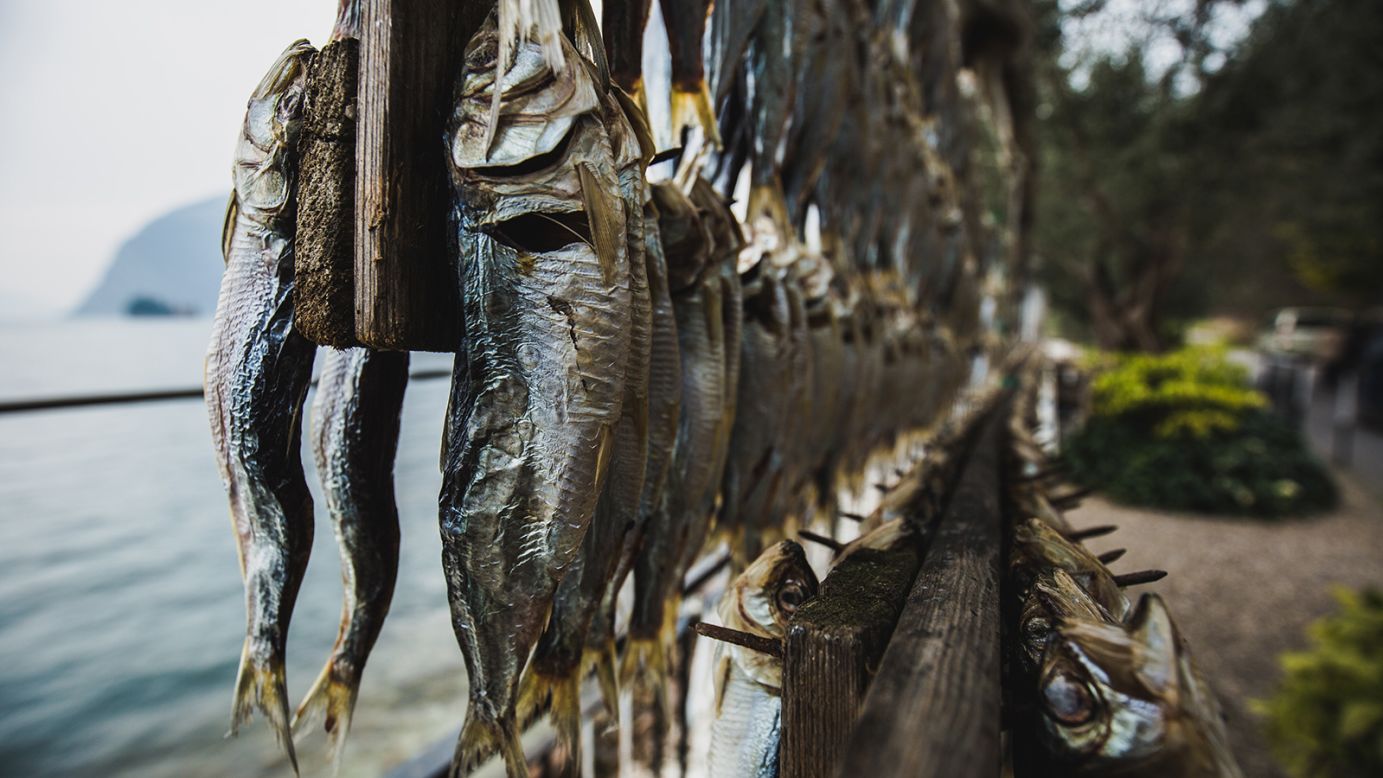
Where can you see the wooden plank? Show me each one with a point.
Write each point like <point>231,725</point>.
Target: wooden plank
<point>934,707</point>
<point>833,648</point>
<point>324,259</point>
<point>406,291</point>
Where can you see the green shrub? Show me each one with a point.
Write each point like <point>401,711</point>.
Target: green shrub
<point>1327,716</point>
<point>1185,431</point>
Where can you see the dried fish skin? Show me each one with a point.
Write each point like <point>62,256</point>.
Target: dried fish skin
<point>622,24</point>
<point>355,437</point>
<point>1127,699</point>
<point>560,658</point>
<point>681,520</point>
<point>771,66</point>
<point>538,388</point>
<point>731,24</point>
<point>746,732</point>
<point>755,465</point>
<point>258,367</point>
<point>664,411</point>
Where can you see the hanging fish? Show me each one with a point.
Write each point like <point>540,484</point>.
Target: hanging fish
<point>771,76</point>
<point>538,387</point>
<point>747,729</point>
<point>257,372</point>
<point>732,23</point>
<point>754,471</point>
<point>559,661</point>
<point>622,24</point>
<point>1127,700</point>
<point>681,519</point>
<point>356,434</point>
<point>664,409</point>
<point>691,101</point>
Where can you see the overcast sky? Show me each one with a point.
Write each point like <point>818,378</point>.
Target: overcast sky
<point>114,112</point>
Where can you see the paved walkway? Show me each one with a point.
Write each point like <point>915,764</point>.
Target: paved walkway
<point>1242,591</point>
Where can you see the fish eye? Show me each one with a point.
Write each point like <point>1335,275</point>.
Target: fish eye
<point>1068,700</point>
<point>791,597</point>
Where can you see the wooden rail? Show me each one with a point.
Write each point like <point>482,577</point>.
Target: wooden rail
<point>934,707</point>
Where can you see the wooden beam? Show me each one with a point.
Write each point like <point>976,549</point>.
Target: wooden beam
<point>934,707</point>
<point>406,291</point>
<point>324,258</point>
<point>833,647</point>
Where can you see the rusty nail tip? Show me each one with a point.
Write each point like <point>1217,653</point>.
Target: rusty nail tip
<point>830,543</point>
<point>1140,577</point>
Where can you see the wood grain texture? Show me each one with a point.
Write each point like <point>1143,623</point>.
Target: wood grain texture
<point>833,648</point>
<point>324,256</point>
<point>934,707</point>
<point>406,290</point>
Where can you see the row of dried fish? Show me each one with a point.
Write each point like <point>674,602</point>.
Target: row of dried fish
<point>1112,686</point>
<point>642,374</point>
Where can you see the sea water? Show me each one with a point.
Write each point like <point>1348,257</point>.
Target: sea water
<point>121,607</point>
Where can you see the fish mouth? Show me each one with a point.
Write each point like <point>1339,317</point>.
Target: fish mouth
<point>286,70</point>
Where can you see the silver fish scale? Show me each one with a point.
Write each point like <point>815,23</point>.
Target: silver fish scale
<point>747,730</point>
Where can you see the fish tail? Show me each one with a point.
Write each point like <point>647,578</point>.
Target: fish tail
<point>535,694</point>
<point>263,687</point>
<point>332,697</point>
<point>565,715</point>
<point>601,659</point>
<point>480,738</point>
<point>767,200</point>
<point>644,664</point>
<point>691,107</point>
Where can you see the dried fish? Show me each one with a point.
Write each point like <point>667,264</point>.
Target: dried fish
<point>1127,699</point>
<point>691,100</point>
<point>747,729</point>
<point>682,518</point>
<point>356,434</point>
<point>557,666</point>
<point>539,385</point>
<point>257,371</point>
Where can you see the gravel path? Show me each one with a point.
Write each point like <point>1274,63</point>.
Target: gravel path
<point>1243,590</point>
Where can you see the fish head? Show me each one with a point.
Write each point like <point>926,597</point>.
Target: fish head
<point>273,121</point>
<point>1108,692</point>
<point>1040,546</point>
<point>762,600</point>
<point>1051,599</point>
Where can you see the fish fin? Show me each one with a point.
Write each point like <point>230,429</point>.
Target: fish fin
<point>587,38</point>
<point>692,108</point>
<point>331,697</point>
<point>635,109</point>
<point>479,739</point>
<point>265,688</point>
<point>601,659</point>
<point>228,225</point>
<point>605,213</point>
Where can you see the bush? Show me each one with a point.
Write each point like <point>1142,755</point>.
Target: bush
<point>1327,716</point>
<point>1185,431</point>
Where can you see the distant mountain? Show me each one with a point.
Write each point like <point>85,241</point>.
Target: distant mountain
<point>171,266</point>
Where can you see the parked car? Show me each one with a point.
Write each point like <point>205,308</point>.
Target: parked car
<point>1314,333</point>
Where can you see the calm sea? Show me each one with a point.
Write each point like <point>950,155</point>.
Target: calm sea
<point>121,612</point>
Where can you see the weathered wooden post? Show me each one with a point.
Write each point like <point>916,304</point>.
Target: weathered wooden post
<point>934,706</point>
<point>405,283</point>
<point>833,647</point>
